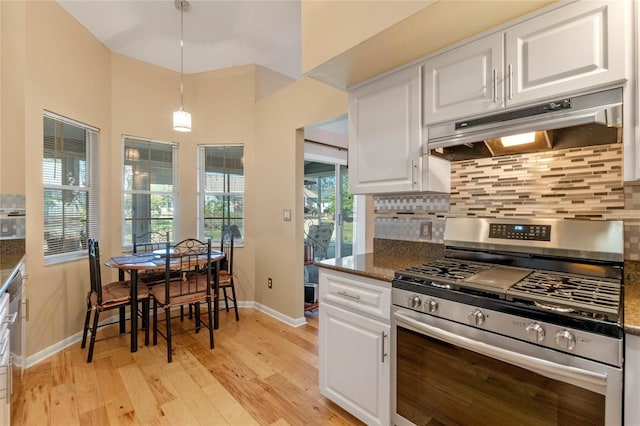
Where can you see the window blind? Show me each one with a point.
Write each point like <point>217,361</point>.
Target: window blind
<point>221,191</point>
<point>150,188</point>
<point>70,182</point>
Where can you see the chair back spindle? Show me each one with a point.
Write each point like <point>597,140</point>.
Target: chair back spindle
<point>94,269</point>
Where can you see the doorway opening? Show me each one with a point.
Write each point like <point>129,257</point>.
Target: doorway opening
<point>328,210</point>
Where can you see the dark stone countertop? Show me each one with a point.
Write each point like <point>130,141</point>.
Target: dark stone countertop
<point>369,265</point>
<point>388,256</point>
<point>12,254</point>
<point>632,297</point>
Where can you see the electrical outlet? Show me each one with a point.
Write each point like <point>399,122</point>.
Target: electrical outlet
<point>269,283</point>
<point>425,230</point>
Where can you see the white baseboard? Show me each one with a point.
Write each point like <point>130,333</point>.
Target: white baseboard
<point>52,350</point>
<point>76,338</point>
<point>293,322</point>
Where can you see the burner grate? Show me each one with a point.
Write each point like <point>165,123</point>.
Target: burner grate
<point>444,269</point>
<point>596,297</point>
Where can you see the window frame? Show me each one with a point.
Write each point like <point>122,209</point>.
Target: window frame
<point>238,242</point>
<point>91,188</point>
<point>174,193</point>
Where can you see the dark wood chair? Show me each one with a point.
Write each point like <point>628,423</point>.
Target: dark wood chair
<point>188,279</point>
<point>148,243</point>
<point>226,281</point>
<point>103,297</point>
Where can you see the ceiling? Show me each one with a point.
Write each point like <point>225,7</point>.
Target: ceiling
<point>217,34</point>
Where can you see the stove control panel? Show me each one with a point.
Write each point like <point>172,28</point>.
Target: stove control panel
<point>510,231</point>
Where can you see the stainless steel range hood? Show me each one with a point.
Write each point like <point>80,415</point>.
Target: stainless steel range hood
<point>584,120</point>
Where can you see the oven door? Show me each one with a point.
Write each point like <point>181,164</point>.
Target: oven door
<point>444,372</point>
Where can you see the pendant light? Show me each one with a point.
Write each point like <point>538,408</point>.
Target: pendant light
<point>181,118</point>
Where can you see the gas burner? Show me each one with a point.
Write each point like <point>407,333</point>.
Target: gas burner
<point>587,296</point>
<point>443,269</point>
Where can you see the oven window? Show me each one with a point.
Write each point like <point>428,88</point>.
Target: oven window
<point>438,383</point>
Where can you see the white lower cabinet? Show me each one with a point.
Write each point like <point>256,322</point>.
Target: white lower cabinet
<point>632,380</point>
<point>355,370</point>
<point>5,379</point>
<point>5,361</point>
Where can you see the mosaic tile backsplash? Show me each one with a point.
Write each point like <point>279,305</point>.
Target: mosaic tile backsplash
<point>12,216</point>
<point>584,183</point>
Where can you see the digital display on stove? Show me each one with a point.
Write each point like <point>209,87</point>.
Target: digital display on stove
<point>509,231</point>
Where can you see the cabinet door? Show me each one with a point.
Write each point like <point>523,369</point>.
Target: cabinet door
<point>385,134</point>
<point>464,81</point>
<point>5,378</point>
<point>573,48</point>
<point>632,380</point>
<point>354,363</point>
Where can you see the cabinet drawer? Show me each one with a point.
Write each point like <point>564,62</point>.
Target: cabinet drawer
<point>363,295</point>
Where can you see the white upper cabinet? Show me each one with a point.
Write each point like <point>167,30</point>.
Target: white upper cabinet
<point>464,81</point>
<point>566,50</point>
<point>385,134</point>
<point>573,48</point>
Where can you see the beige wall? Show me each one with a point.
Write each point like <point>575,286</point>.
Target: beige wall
<point>224,112</point>
<point>392,41</point>
<point>280,168</point>
<point>329,28</point>
<point>12,83</point>
<point>67,72</point>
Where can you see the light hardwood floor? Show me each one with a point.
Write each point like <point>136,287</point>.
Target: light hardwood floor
<point>260,372</point>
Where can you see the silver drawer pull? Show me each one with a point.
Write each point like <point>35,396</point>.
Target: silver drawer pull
<point>347,294</point>
<point>10,319</point>
<point>384,353</point>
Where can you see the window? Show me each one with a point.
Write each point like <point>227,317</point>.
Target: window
<point>222,191</point>
<point>70,181</point>
<point>150,185</point>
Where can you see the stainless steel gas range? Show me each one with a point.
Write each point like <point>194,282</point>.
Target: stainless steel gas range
<point>520,323</point>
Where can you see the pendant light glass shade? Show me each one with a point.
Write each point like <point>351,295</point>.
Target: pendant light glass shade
<point>181,118</point>
<point>181,121</point>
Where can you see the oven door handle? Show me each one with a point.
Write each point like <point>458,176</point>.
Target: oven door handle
<point>596,382</point>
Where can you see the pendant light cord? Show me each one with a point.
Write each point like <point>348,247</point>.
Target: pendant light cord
<point>181,55</point>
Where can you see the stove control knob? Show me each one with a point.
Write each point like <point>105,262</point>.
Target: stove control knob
<point>535,332</point>
<point>565,340</point>
<point>476,317</point>
<point>432,306</point>
<point>415,302</point>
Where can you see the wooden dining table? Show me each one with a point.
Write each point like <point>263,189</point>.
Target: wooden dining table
<point>155,261</point>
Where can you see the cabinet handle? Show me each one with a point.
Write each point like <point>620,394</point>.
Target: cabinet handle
<point>510,67</point>
<point>384,354</point>
<point>10,319</point>
<point>347,294</point>
<point>495,86</point>
<point>413,173</point>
